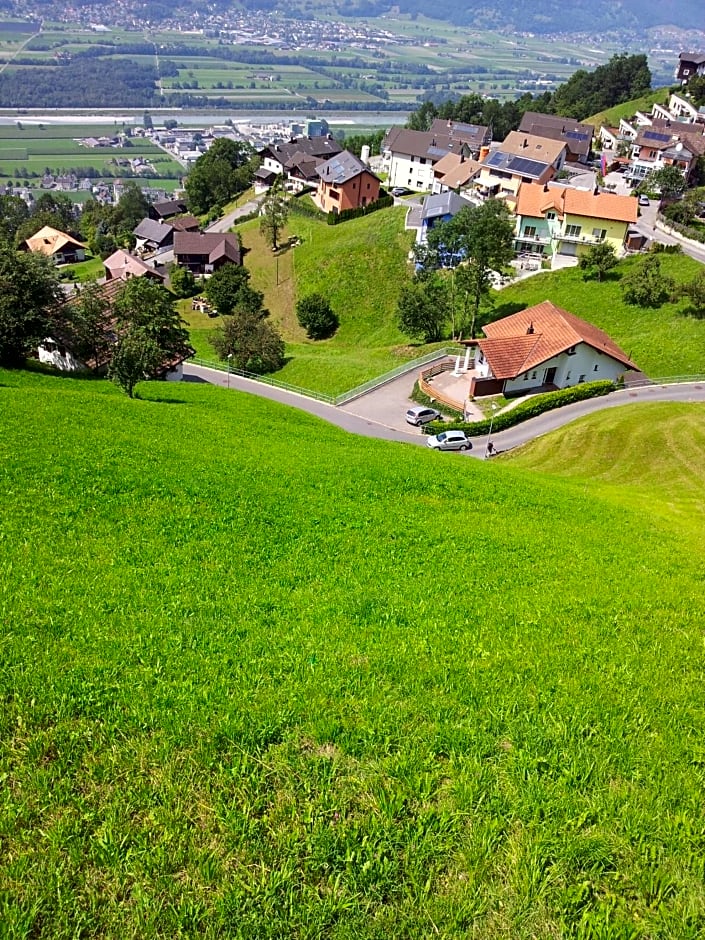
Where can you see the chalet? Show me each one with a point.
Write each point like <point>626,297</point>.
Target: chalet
<point>520,158</point>
<point>690,64</point>
<point>205,252</point>
<point>541,348</point>
<point>296,160</point>
<point>454,171</point>
<point>166,209</point>
<point>59,349</point>
<point>666,143</point>
<point>121,265</point>
<point>185,223</point>
<point>558,220</point>
<point>153,236</point>
<point>576,136</point>
<point>345,182</point>
<point>60,247</point>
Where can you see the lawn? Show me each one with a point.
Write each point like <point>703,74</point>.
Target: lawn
<point>245,696</point>
<point>612,116</point>
<point>662,342</point>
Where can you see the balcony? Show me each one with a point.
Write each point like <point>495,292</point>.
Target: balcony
<point>581,239</point>
<point>533,239</point>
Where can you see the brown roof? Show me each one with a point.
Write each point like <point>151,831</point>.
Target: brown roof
<point>185,223</point>
<point>535,148</point>
<point>576,136</point>
<point>425,143</point>
<point>525,339</point>
<point>535,201</point>
<point>49,240</point>
<point>213,244</point>
<point>454,170</point>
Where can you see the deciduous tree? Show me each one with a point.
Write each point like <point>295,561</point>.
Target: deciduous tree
<point>422,308</point>
<point>316,316</point>
<point>251,341</point>
<point>29,290</point>
<point>646,285</point>
<point>598,260</point>
<point>275,213</point>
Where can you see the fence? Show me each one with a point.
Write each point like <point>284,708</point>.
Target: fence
<point>342,399</point>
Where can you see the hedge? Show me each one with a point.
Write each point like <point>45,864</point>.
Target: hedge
<point>531,408</point>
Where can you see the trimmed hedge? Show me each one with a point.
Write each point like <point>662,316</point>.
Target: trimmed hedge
<point>382,203</point>
<point>531,408</point>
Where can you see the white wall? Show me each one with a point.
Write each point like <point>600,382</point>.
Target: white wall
<point>408,171</point>
<point>570,370</point>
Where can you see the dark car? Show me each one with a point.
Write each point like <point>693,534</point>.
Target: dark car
<point>401,191</point>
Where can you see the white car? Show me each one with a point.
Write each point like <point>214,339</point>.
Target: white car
<point>449,440</point>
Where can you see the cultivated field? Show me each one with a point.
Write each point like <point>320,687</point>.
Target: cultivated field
<point>263,679</point>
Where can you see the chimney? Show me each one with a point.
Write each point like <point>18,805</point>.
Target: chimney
<point>526,143</point>
<point>530,328</point>
<point>545,187</point>
<point>484,151</point>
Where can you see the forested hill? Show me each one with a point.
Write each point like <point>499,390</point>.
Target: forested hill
<point>548,16</point>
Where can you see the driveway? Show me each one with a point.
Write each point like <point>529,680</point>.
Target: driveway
<point>226,222</point>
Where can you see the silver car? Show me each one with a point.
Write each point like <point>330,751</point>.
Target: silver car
<point>421,414</point>
<point>449,440</point>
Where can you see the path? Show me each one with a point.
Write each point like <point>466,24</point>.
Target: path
<point>19,49</point>
<point>226,222</point>
<point>502,440</point>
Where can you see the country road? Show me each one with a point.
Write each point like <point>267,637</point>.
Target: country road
<point>502,441</point>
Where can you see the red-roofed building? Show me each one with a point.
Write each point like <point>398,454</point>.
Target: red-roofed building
<point>544,347</point>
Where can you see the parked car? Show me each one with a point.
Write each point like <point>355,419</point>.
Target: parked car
<point>420,414</point>
<point>401,191</point>
<point>644,200</point>
<point>449,440</point>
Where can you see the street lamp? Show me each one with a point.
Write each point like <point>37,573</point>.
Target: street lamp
<point>230,356</point>
<point>490,448</point>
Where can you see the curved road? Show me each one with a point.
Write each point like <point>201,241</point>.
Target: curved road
<point>502,440</point>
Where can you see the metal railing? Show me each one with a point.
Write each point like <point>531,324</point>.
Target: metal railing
<point>345,397</point>
<point>667,380</point>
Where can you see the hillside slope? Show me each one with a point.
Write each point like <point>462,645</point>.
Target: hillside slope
<point>264,679</point>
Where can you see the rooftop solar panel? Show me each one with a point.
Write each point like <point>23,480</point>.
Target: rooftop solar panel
<point>526,167</point>
<point>576,135</point>
<point>654,135</point>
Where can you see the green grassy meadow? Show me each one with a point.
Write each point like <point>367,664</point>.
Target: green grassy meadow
<point>247,694</point>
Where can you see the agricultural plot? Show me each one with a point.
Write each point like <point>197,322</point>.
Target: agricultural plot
<point>232,706</point>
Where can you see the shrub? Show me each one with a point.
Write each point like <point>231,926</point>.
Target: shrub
<point>315,315</point>
<point>531,408</point>
<point>382,203</point>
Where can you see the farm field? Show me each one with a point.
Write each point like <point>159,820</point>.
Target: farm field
<point>232,706</point>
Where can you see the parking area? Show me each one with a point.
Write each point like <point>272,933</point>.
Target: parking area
<point>388,404</point>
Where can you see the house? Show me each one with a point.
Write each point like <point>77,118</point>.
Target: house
<point>520,158</point>
<point>690,64</point>
<point>679,107</point>
<point>205,252</point>
<point>301,155</point>
<point>543,347</point>
<point>60,247</point>
<point>454,171</point>
<point>345,182</point>
<point>666,143</point>
<point>121,265</point>
<point>185,223</point>
<point>559,220</point>
<point>152,236</point>
<point>438,207</point>
<point>263,179</point>
<point>410,157</point>
<point>166,209</point>
<point>58,350</point>
<point>576,136</point>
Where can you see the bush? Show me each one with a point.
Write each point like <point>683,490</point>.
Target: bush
<point>382,203</point>
<point>315,315</point>
<point>531,408</point>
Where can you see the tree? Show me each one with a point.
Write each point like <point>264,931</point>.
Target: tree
<point>13,213</point>
<point>598,260</point>
<point>145,317</point>
<point>227,288</point>
<point>316,316</point>
<point>646,285</point>
<point>480,235</point>
<point>668,181</point>
<point>182,281</point>
<point>422,308</point>
<point>251,341</point>
<point>136,356</point>
<point>225,170</point>
<point>85,318</point>
<point>29,290</point>
<point>274,214</point>
<point>694,291</point>
<point>132,207</point>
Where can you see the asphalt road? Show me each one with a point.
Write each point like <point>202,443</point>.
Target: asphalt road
<point>502,441</point>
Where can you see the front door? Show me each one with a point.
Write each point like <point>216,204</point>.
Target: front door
<point>549,376</point>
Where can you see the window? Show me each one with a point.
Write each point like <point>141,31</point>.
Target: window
<point>596,367</point>
<point>422,160</point>
<point>530,231</point>
<point>567,376</point>
<point>581,379</point>
<point>533,375</point>
<point>571,351</point>
<point>526,376</point>
<point>551,216</point>
<point>573,231</point>
<point>599,233</point>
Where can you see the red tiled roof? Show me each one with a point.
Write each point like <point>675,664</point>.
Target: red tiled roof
<point>511,349</point>
<point>534,200</point>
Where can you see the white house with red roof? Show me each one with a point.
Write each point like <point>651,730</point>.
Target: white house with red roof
<point>544,347</point>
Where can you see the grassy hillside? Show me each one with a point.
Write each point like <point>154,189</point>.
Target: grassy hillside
<point>612,116</point>
<point>662,342</point>
<point>359,267</point>
<point>247,694</point>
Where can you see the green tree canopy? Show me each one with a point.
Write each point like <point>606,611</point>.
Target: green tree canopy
<point>423,307</point>
<point>646,285</point>
<point>274,213</point>
<point>228,288</point>
<point>250,341</point>
<point>598,260</point>
<point>669,181</point>
<point>29,291</point>
<point>225,170</point>
<point>316,316</point>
